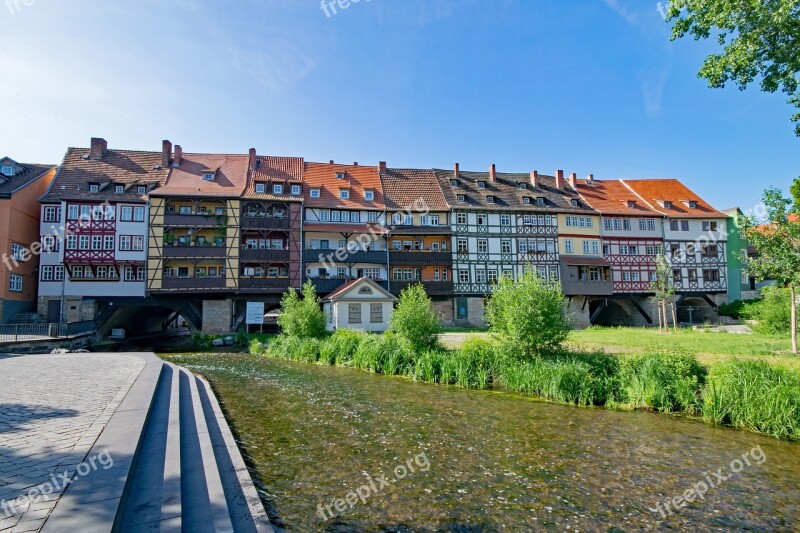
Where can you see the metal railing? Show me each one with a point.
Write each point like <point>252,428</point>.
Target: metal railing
<point>17,332</point>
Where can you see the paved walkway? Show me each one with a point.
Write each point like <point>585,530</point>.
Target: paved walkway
<point>52,410</point>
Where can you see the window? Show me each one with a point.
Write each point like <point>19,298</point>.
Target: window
<point>50,243</point>
<point>124,243</point>
<point>314,193</point>
<point>522,246</point>
<point>369,195</point>
<point>344,194</point>
<point>336,216</point>
<point>606,249</point>
<point>372,216</point>
<point>97,212</point>
<point>693,205</point>
<point>482,219</point>
<point>15,283</point>
<point>408,220</point>
<point>481,184</point>
<point>631,205</point>
<point>568,246</point>
<point>541,272</point>
<point>673,225</point>
<point>505,246</point>
<point>626,224</point>
<point>58,273</point>
<point>126,213</point>
<point>505,220</point>
<point>575,203</point>
<point>261,188</point>
<point>108,242</point>
<point>18,252</point>
<point>84,242</point>
<point>626,276</point>
<point>461,218</point>
<point>642,224</point>
<point>667,204</point>
<point>138,243</point>
<point>595,247</point>
<point>607,224</point>
<point>617,224</point>
<point>709,226</point>
<point>52,214</point>
<point>86,213</point>
<point>376,313</point>
<point>119,189</point>
<point>340,175</point>
<point>8,170</point>
<point>461,198</point>
<point>651,224</point>
<point>586,247</point>
<point>684,225</point>
<point>324,215</point>
<point>72,242</point>
<point>480,275</point>
<point>208,176</point>
<point>93,187</point>
<point>690,249</point>
<point>72,212</point>
<point>676,275</point>
<point>47,273</point>
<point>711,250</point>
<point>711,275</point>
<point>463,276</point>
<point>490,199</point>
<point>526,199</point>
<point>634,250</point>
<point>462,246</point>
<point>454,183</point>
<point>296,190</point>
<point>141,189</point>
<point>483,246</point>
<point>372,273</point>
<point>354,313</point>
<point>523,185</point>
<point>553,274</point>
<point>650,250</point>
<point>97,242</point>
<point>277,188</point>
<point>692,274</point>
<point>540,201</point>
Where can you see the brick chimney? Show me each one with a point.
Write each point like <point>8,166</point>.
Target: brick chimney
<point>559,179</point>
<point>382,166</point>
<point>355,163</point>
<point>331,162</point>
<point>252,162</point>
<point>534,179</point>
<point>98,149</point>
<point>573,180</point>
<point>455,170</point>
<point>493,173</point>
<point>166,153</point>
<point>178,157</point>
<point>590,179</point>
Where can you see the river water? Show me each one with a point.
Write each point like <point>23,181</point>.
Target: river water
<point>421,457</point>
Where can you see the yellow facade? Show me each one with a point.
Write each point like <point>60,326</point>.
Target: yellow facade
<point>582,231</point>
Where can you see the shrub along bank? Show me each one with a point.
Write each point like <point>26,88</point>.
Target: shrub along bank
<point>745,394</point>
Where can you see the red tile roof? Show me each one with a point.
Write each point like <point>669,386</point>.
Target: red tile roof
<point>654,191</point>
<point>612,197</point>
<point>270,169</point>
<point>406,188</point>
<point>230,176</point>
<point>356,178</point>
<point>345,228</point>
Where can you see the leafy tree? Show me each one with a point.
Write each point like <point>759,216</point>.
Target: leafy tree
<point>664,287</point>
<point>760,39</point>
<point>778,245</point>
<point>302,317</point>
<point>415,319</point>
<point>527,316</point>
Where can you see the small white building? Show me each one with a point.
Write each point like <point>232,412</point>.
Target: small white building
<point>361,304</point>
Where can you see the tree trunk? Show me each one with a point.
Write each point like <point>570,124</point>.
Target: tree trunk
<point>674,318</point>
<point>660,318</point>
<point>794,319</point>
<point>666,316</point>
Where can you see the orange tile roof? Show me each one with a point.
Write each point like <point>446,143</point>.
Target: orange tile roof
<point>288,170</point>
<point>612,197</point>
<point>654,190</point>
<point>357,178</point>
<point>405,188</point>
<point>230,176</point>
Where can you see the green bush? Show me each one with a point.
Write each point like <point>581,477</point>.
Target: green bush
<point>773,312</point>
<point>304,317</point>
<point>384,354</point>
<point>427,366</point>
<point>661,381</point>
<point>733,309</point>
<point>340,348</point>
<point>564,380</point>
<point>527,316</point>
<point>754,395</point>
<point>415,319</point>
<point>292,349</point>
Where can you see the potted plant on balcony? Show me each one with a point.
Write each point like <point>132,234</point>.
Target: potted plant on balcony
<point>169,239</point>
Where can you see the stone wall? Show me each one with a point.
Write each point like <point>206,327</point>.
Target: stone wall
<point>444,308</point>
<point>217,317</point>
<point>579,318</point>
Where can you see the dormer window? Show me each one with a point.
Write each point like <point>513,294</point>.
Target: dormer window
<point>314,193</point>
<point>141,189</point>
<point>526,199</point>
<point>462,198</point>
<point>454,183</point>
<point>666,204</point>
<point>369,195</point>
<point>261,188</point>
<point>691,204</point>
<point>481,184</point>
<point>523,185</point>
<point>490,199</point>
<point>277,188</point>
<point>208,176</point>
<point>119,189</point>
<point>94,187</point>
<point>340,175</point>
<point>8,170</point>
<point>296,190</point>
<point>575,203</point>
<point>344,194</point>
<point>631,205</point>
<point>539,201</point>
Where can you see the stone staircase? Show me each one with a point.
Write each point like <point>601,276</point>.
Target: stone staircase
<point>185,473</point>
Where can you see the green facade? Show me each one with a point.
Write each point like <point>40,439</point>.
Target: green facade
<point>737,249</point>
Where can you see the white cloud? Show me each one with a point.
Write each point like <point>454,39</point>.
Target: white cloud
<point>653,93</point>
<point>622,11</point>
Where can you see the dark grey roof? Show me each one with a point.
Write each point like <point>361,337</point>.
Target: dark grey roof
<point>26,173</point>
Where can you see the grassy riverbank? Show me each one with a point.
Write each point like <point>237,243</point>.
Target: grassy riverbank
<point>743,393</point>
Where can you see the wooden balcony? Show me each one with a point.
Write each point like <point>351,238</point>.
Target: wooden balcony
<point>264,256</point>
<point>433,288</point>
<point>587,288</point>
<point>188,252</point>
<point>194,284</point>
<point>420,258</point>
<point>271,285</point>
<point>191,221</point>
<point>265,223</point>
<point>348,257</point>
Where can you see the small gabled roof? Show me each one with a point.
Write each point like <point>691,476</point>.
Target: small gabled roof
<point>507,193</point>
<point>656,191</point>
<point>407,188</point>
<point>357,179</point>
<point>611,197</point>
<point>25,173</point>
<point>230,176</point>
<point>350,285</point>
<point>279,170</point>
<point>128,167</point>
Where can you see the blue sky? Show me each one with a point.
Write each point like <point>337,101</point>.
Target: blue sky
<point>588,86</point>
